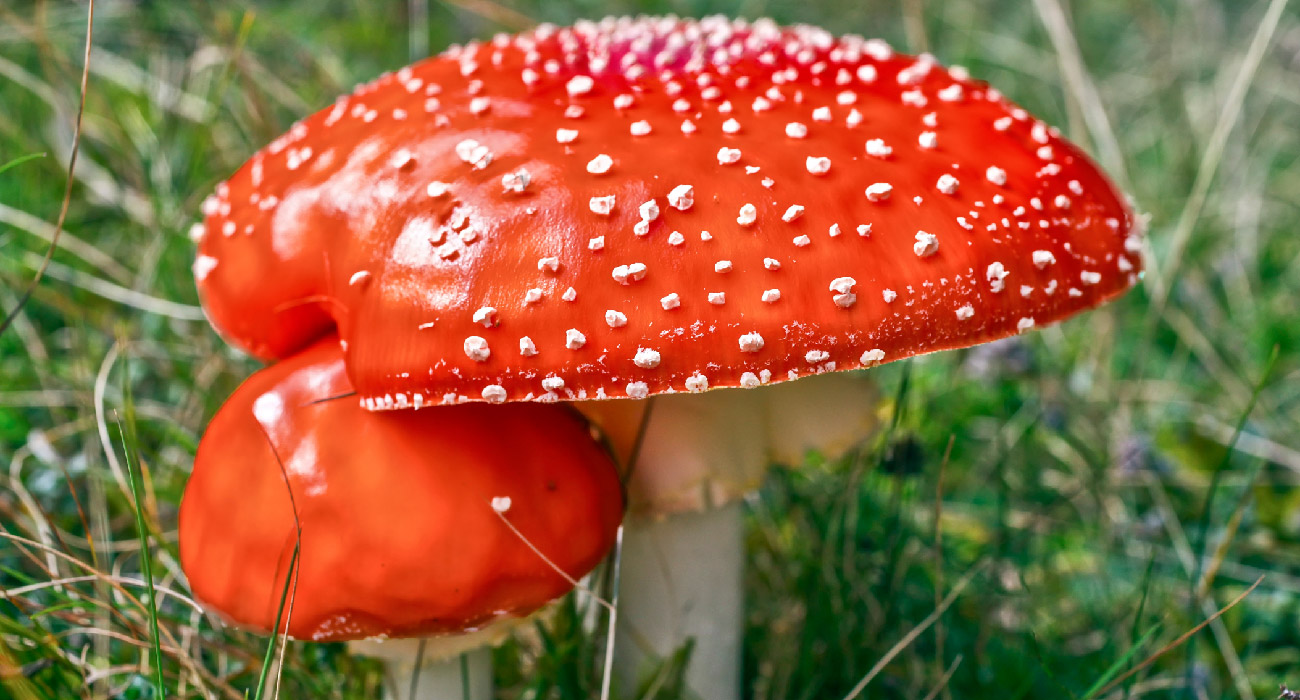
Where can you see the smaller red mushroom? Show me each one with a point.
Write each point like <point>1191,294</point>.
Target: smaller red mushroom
<point>402,515</point>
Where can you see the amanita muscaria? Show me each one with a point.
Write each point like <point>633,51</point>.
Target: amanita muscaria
<point>403,516</point>
<point>637,207</point>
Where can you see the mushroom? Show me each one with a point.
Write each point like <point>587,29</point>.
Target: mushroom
<point>655,207</point>
<point>406,525</point>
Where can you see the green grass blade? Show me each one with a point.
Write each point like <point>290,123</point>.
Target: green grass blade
<point>1137,617</point>
<point>129,444</point>
<point>19,161</point>
<point>289,579</point>
<point>1120,664</point>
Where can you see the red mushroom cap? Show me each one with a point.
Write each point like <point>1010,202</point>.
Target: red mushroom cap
<point>400,530</point>
<point>646,205</point>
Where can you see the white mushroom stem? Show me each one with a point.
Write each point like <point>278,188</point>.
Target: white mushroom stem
<point>683,554</point>
<point>450,668</point>
<point>682,580</point>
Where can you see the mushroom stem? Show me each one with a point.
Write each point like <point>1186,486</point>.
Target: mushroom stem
<point>682,583</point>
<point>683,556</point>
<point>415,676</point>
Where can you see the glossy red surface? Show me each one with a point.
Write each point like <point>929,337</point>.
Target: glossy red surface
<point>399,534</point>
<point>418,213</point>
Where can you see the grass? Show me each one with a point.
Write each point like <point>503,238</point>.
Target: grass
<point>1111,482</point>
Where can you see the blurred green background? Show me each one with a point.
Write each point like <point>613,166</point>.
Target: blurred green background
<point>1121,476</point>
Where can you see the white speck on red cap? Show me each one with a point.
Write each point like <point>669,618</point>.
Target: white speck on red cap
<point>553,383</point>
<point>816,357</point>
<point>818,165</point>
<point>697,383</point>
<point>574,339</point>
<point>486,316</point>
<point>952,93</point>
<point>995,274</point>
<point>927,244</point>
<point>580,85</point>
<point>947,184</point>
<point>516,181</point>
<point>649,210</point>
<point>474,153</point>
<point>646,358</point>
<point>747,216</point>
<point>879,191</point>
<point>627,274</point>
<point>203,266</point>
<point>476,348</point>
<point>878,149</point>
<point>681,197</point>
<point>842,285</point>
